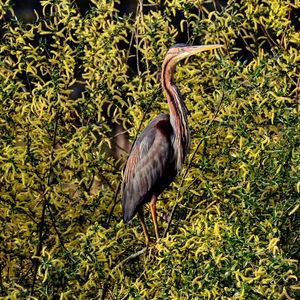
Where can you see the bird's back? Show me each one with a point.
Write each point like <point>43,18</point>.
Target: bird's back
<point>150,166</point>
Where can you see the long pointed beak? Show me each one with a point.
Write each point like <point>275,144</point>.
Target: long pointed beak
<point>196,49</point>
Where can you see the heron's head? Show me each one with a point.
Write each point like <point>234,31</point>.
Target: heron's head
<point>182,51</point>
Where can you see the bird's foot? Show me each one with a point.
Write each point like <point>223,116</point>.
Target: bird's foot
<point>150,243</point>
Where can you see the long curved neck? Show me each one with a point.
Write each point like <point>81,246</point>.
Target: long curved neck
<point>178,116</point>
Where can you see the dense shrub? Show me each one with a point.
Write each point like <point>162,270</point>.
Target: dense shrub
<point>68,81</point>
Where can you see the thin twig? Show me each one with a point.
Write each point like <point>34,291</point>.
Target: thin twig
<point>140,277</point>
<point>114,205</point>
<point>45,204</point>
<point>119,133</point>
<point>130,257</point>
<point>137,48</point>
<point>267,35</point>
<point>227,47</point>
<point>286,27</point>
<point>200,9</point>
<point>270,39</point>
<point>143,31</point>
<point>142,120</point>
<point>189,165</point>
<point>56,230</point>
<point>247,45</point>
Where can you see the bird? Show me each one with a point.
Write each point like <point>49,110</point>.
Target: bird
<point>158,154</point>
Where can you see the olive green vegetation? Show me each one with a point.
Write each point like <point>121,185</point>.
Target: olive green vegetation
<point>67,79</point>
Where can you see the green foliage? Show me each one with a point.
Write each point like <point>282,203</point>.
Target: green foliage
<point>67,80</point>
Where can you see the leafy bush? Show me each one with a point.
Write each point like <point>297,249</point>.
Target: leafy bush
<point>231,219</point>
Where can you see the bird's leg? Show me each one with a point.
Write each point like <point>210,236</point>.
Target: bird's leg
<point>153,212</point>
<point>141,216</point>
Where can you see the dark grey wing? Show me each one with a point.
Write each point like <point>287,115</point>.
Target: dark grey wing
<point>146,164</point>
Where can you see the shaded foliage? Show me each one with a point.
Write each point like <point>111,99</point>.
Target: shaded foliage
<point>68,80</point>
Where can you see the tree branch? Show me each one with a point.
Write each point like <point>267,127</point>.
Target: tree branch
<point>114,205</point>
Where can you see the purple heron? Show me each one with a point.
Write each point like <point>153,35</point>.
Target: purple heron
<point>159,152</point>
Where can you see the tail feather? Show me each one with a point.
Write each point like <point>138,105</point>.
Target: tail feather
<point>129,208</point>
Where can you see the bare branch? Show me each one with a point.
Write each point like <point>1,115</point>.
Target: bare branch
<point>130,257</point>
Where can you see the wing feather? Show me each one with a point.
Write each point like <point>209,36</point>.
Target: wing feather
<point>146,164</point>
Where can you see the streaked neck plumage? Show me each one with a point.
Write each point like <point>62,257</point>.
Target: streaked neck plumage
<point>178,116</point>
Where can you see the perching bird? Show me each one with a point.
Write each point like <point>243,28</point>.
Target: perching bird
<point>159,152</point>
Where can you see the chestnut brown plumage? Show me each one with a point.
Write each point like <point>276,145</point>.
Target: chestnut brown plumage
<point>159,152</point>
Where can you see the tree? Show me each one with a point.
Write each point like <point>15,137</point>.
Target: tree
<point>231,220</point>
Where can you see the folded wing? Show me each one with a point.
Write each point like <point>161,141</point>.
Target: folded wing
<point>147,164</point>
